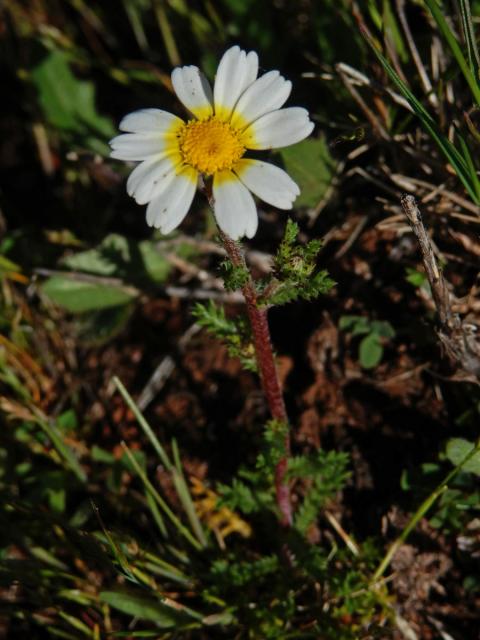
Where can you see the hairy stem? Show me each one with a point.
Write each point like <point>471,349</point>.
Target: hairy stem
<point>268,375</point>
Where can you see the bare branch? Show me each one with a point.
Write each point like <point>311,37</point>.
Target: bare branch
<point>457,337</point>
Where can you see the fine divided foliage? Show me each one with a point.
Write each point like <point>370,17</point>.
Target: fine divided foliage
<point>295,272</point>
<point>234,333</point>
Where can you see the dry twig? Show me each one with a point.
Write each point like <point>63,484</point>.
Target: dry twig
<point>457,337</point>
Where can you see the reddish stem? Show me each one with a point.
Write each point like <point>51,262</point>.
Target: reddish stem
<point>268,376</point>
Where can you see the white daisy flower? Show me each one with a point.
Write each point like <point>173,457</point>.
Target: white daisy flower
<point>242,113</point>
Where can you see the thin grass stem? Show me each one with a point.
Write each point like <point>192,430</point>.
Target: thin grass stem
<point>175,470</point>
<point>160,501</point>
<point>420,513</point>
<point>452,42</point>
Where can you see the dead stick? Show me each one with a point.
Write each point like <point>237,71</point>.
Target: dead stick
<point>457,337</point>
<point>441,297</point>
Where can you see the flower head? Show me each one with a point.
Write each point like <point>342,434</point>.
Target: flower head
<point>242,113</point>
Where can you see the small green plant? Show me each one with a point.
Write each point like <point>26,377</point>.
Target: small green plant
<point>295,274</point>
<point>325,473</point>
<point>234,333</point>
<point>417,278</point>
<point>375,332</point>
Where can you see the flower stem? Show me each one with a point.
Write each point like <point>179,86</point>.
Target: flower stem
<point>268,375</point>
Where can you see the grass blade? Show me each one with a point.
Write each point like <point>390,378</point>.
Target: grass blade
<point>167,33</point>
<point>63,450</point>
<point>449,36</point>
<point>157,516</point>
<point>162,454</point>
<point>181,486</point>
<point>421,512</point>
<point>160,501</point>
<point>451,153</point>
<point>469,34</point>
<point>184,495</point>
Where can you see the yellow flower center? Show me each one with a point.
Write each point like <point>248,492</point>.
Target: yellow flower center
<point>210,145</point>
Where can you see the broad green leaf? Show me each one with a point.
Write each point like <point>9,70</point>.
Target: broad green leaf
<point>143,607</point>
<point>361,328</point>
<point>383,329</point>
<point>310,164</point>
<point>78,296</point>
<point>99,326</point>
<point>108,259</point>
<point>122,257</point>
<point>155,264</point>
<point>458,449</point>
<point>357,325</point>
<point>370,351</point>
<point>69,103</point>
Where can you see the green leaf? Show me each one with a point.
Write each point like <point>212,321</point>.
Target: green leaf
<point>69,103</point>
<point>56,499</point>
<point>370,351</point>
<point>155,264</point>
<point>119,256</point>
<point>383,329</point>
<point>97,327</point>
<point>357,325</point>
<point>143,607</point>
<point>312,167</point>
<point>238,497</point>
<point>295,272</point>
<point>78,296</point>
<point>234,333</point>
<point>328,472</point>
<point>458,449</point>
<point>416,278</point>
<point>67,421</point>
<point>107,259</point>
<point>101,455</point>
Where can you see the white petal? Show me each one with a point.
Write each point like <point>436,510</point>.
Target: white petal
<point>234,206</point>
<point>252,69</point>
<point>139,146</point>
<point>236,71</point>
<point>166,211</point>
<point>268,93</point>
<point>278,129</point>
<point>152,176</point>
<point>149,121</point>
<point>193,90</point>
<point>270,183</point>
